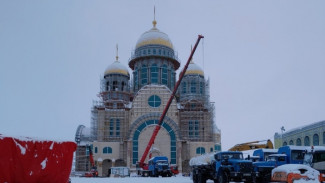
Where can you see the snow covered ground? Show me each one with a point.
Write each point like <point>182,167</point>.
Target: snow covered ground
<point>178,179</point>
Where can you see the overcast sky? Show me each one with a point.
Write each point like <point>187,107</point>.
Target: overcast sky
<point>265,60</point>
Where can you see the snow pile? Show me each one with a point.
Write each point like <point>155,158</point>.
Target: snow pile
<point>204,159</point>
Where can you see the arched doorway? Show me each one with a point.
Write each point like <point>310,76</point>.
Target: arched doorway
<point>107,164</point>
<point>120,162</point>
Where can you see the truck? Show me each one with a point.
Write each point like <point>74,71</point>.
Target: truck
<point>263,154</point>
<point>315,158</point>
<point>313,167</point>
<point>221,167</point>
<point>263,169</point>
<point>285,155</point>
<point>159,166</point>
<point>295,154</point>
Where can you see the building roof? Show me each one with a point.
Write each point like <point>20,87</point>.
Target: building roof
<point>154,37</point>
<point>194,69</point>
<point>116,68</point>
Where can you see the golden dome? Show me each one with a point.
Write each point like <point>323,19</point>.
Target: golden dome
<point>116,68</point>
<point>194,69</point>
<point>154,36</point>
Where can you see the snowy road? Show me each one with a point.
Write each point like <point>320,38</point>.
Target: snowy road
<point>134,180</point>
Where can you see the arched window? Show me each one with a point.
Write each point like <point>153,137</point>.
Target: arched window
<point>184,87</point>
<point>211,149</point>
<point>111,127</point>
<point>200,150</point>
<point>291,142</point>
<point>315,140</point>
<point>172,78</point>
<point>193,86</point>
<point>115,87</point>
<point>196,128</point>
<point>117,126</point>
<point>154,73</point>
<point>123,85</point>
<point>144,75</point>
<point>307,142</point>
<point>201,87</point>
<point>107,86</point>
<point>284,143</point>
<point>107,150</point>
<point>96,150</point>
<point>298,142</point>
<point>164,75</point>
<point>190,128</point>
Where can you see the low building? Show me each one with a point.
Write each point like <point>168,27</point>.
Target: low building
<point>308,135</point>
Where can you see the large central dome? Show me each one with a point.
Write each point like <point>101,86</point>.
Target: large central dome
<point>154,44</point>
<point>154,37</point>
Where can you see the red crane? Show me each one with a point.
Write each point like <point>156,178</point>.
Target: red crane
<point>157,128</point>
<point>93,172</point>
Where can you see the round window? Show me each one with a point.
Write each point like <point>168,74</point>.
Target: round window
<point>154,101</point>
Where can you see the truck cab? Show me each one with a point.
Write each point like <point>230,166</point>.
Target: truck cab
<point>263,169</point>
<point>295,154</point>
<point>159,166</point>
<point>231,166</point>
<point>263,154</point>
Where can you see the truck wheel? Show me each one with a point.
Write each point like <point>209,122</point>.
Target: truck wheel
<point>201,178</point>
<point>194,177</point>
<point>222,178</point>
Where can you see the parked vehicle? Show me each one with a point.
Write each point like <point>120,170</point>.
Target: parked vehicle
<point>263,154</point>
<point>120,171</point>
<point>295,154</point>
<point>221,167</point>
<point>284,155</point>
<point>159,166</point>
<point>292,172</point>
<point>263,169</point>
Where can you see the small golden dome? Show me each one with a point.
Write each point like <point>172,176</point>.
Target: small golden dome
<point>194,69</point>
<point>116,68</point>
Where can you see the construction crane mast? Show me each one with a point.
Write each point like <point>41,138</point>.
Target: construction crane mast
<point>158,126</point>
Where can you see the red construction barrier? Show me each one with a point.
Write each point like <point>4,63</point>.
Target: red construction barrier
<point>31,160</point>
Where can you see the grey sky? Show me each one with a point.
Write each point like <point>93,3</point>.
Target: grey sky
<point>265,60</point>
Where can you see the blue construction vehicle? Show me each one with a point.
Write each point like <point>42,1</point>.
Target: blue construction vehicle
<point>263,154</point>
<point>221,167</point>
<point>159,166</point>
<point>295,154</point>
<point>285,155</point>
<point>263,169</point>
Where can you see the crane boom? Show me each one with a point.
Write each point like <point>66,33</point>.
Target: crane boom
<point>252,145</point>
<point>157,128</point>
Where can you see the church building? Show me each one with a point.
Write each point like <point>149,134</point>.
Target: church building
<point>131,101</point>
